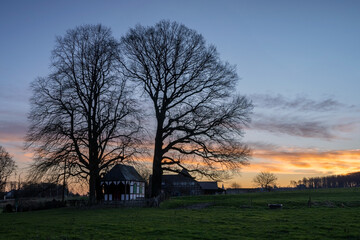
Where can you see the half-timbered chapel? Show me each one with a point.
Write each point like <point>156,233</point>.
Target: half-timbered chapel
<point>123,183</point>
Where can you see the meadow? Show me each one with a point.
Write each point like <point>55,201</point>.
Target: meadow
<point>334,214</point>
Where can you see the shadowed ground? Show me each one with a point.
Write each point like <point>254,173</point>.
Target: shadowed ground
<point>335,214</point>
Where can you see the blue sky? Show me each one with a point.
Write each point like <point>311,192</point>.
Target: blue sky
<point>298,61</point>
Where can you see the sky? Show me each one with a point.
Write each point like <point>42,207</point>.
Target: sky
<point>298,62</point>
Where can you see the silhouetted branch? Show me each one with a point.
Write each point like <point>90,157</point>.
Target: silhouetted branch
<point>83,116</point>
<point>192,91</point>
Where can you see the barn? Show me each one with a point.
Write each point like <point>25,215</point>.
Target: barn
<point>183,184</point>
<point>123,183</point>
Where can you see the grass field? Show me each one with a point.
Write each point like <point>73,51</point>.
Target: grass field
<point>335,214</point>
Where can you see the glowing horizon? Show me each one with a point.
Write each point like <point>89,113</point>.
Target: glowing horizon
<point>298,163</point>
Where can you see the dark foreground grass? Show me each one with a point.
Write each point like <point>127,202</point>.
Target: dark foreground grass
<point>336,215</point>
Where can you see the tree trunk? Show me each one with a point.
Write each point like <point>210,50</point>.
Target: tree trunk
<point>92,187</point>
<point>99,193</point>
<point>64,184</point>
<point>157,168</point>
<point>156,176</point>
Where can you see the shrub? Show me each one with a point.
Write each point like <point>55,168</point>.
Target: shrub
<point>8,208</point>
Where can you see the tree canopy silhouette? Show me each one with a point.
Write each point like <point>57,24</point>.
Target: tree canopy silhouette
<point>265,180</point>
<point>82,116</point>
<point>332,181</point>
<point>7,167</point>
<point>199,117</point>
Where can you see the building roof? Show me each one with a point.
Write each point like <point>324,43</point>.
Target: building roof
<point>183,176</point>
<point>122,172</point>
<point>176,178</point>
<point>209,185</point>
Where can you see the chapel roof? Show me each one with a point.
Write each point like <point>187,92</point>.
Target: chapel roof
<point>122,172</point>
<point>209,185</point>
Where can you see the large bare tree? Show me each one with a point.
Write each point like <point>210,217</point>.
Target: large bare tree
<point>7,167</point>
<point>265,180</point>
<point>82,118</point>
<point>198,117</point>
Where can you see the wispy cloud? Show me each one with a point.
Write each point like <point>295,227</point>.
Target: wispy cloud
<point>293,126</point>
<point>304,117</point>
<point>347,127</point>
<point>10,113</point>
<point>12,128</point>
<point>304,126</point>
<point>301,103</point>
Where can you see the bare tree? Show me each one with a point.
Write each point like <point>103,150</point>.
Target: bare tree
<point>143,170</point>
<point>83,119</point>
<point>7,167</point>
<point>293,183</point>
<point>265,180</point>
<point>235,185</point>
<point>198,117</point>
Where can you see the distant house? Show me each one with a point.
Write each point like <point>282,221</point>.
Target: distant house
<point>183,184</point>
<point>123,183</point>
<point>210,188</point>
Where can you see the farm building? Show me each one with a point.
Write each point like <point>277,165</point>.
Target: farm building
<point>183,184</point>
<point>123,183</point>
<point>210,188</point>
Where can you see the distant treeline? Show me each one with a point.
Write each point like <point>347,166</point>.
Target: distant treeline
<point>38,190</point>
<point>334,181</point>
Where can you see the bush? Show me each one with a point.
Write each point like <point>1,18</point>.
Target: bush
<point>8,208</point>
<point>25,206</point>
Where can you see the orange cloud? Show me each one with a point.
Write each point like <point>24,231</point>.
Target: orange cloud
<point>293,161</point>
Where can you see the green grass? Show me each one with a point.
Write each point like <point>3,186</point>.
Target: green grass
<point>349,197</point>
<point>336,215</point>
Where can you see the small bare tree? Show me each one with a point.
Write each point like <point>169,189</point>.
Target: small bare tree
<point>83,120</point>
<point>7,167</point>
<point>265,180</point>
<point>198,117</point>
<point>293,183</point>
<point>235,185</point>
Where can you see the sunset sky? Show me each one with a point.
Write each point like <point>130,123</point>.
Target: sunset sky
<point>299,62</point>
